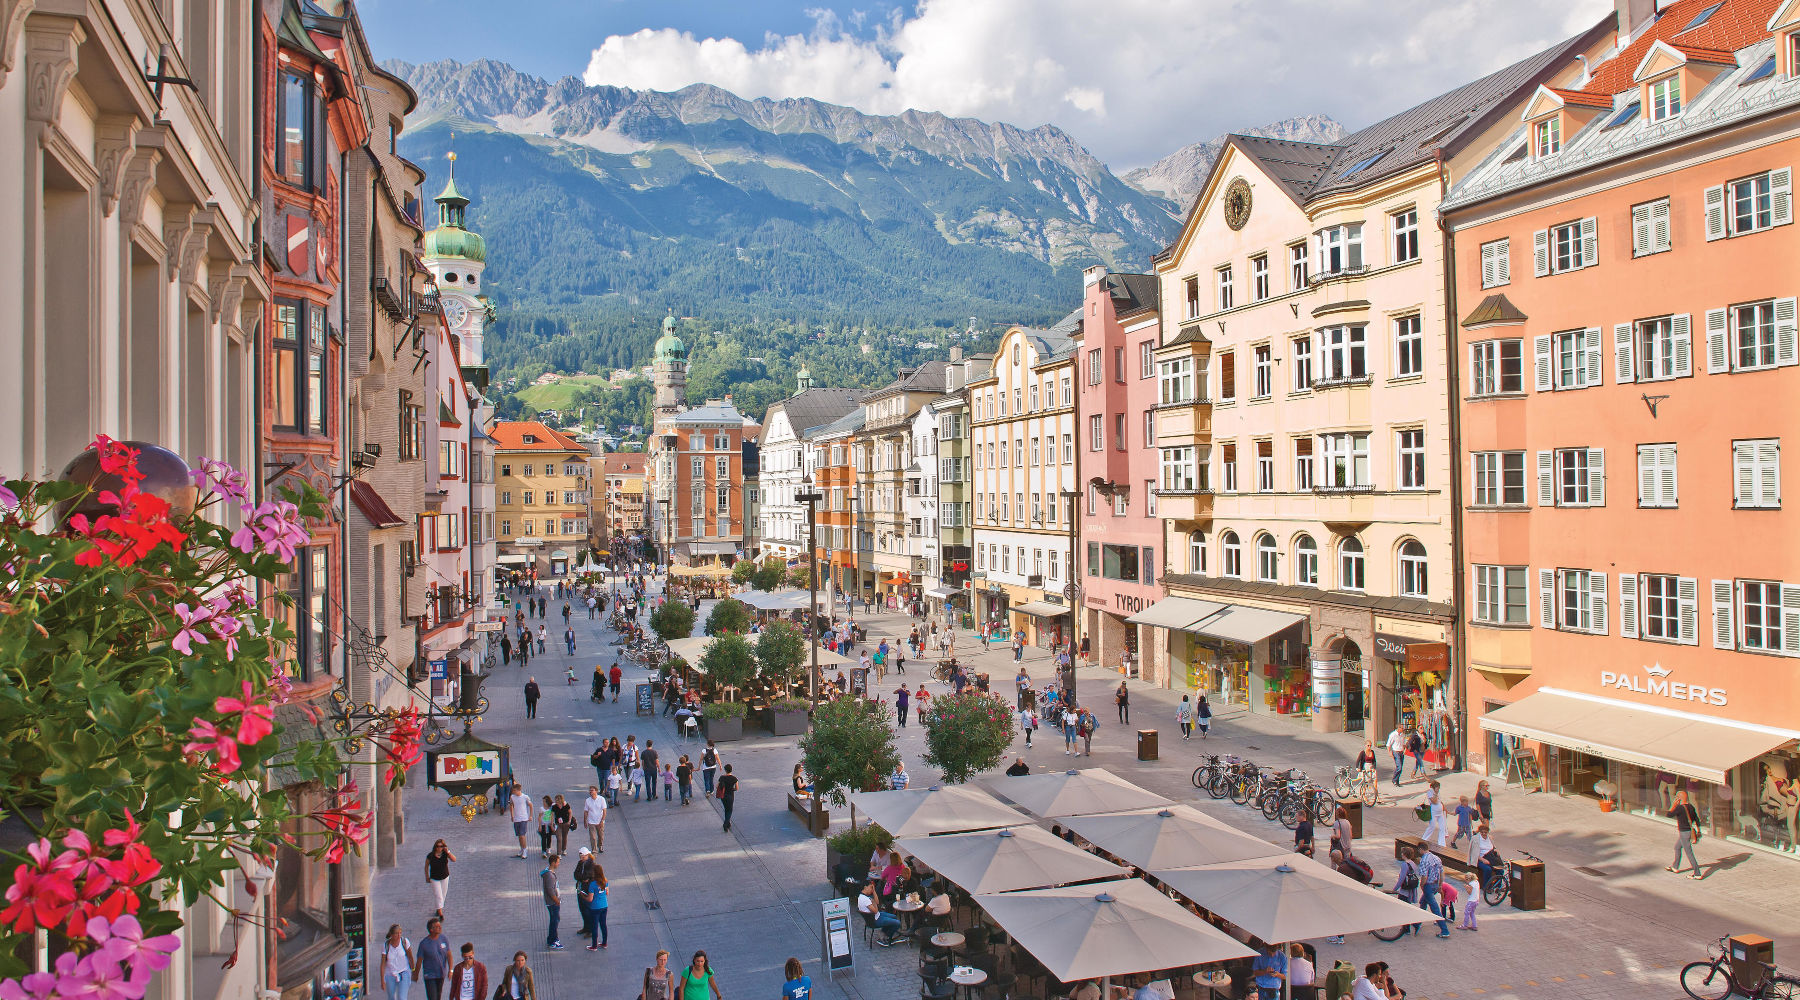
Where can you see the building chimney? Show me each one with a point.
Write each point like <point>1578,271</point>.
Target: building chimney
<point>956,354</point>
<point>1633,16</point>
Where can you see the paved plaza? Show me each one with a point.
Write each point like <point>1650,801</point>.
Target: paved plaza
<point>1617,924</point>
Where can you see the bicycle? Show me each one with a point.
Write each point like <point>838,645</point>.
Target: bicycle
<point>1215,767</point>
<point>1714,979</point>
<point>1498,886</point>
<point>1357,782</point>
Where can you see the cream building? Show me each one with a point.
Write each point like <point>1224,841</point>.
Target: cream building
<point>1303,415</point>
<point>543,498</point>
<point>887,443</point>
<point>1022,444</point>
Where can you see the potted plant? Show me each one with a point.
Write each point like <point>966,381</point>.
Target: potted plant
<point>847,853</point>
<point>966,734</point>
<point>787,716</point>
<point>724,720</point>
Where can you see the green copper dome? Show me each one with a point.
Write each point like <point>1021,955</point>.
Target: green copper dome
<point>669,346</point>
<point>452,237</point>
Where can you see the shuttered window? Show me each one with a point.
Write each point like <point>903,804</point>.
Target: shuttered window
<point>1756,474</point>
<point>1750,204</point>
<point>1659,607</point>
<point>1496,264</point>
<point>1656,475</point>
<point>1572,477</point>
<point>1653,349</point>
<point>1650,228</point>
<point>1577,600</point>
<point>1569,246</point>
<point>1570,359</point>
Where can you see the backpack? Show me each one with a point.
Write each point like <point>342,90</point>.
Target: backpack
<point>1364,873</point>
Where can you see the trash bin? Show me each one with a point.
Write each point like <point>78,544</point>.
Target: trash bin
<point>1526,882</point>
<point>1353,810</point>
<point>1748,954</point>
<point>1146,744</point>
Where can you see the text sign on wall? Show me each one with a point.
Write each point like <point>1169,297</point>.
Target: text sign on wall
<point>1655,681</point>
<point>470,766</point>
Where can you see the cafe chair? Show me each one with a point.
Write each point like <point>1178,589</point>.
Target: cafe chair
<point>868,930</point>
<point>933,969</point>
<point>943,989</point>
<point>999,985</point>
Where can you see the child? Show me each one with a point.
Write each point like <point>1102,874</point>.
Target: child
<point>571,675</point>
<point>614,779</point>
<point>1474,894</point>
<point>1447,898</point>
<point>668,779</point>
<point>637,781</point>
<point>1465,817</point>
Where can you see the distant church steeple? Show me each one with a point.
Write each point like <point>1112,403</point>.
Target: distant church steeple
<point>670,371</point>
<point>803,379</point>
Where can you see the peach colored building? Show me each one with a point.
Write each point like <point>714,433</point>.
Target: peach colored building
<point>1304,417</point>
<point>1626,368</point>
<point>1121,531</point>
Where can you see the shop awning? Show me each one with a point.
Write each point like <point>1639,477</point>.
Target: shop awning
<point>942,593</point>
<point>1175,613</point>
<point>1693,746</point>
<point>1042,609</point>
<point>707,548</point>
<point>373,506</point>
<point>559,554</point>
<point>1240,623</point>
<point>513,559</point>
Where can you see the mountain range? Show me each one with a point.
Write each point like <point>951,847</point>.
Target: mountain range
<point>604,206</point>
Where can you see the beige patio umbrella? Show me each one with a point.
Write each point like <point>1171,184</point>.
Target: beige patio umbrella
<point>827,658</point>
<point>1015,857</point>
<point>921,812</point>
<point>690,649</point>
<point>1105,929</point>
<point>1075,793</point>
<point>1288,898</point>
<point>1169,837</point>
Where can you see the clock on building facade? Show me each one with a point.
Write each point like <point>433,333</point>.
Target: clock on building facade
<point>1237,203</point>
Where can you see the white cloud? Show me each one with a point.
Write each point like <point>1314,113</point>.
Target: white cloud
<point>1132,79</point>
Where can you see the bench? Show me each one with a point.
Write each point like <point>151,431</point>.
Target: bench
<point>812,811</point>
<point>1454,862</point>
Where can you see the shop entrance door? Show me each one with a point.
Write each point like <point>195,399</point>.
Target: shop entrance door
<point>1355,706</point>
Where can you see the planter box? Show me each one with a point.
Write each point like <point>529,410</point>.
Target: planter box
<point>724,730</point>
<point>859,867</point>
<point>785,723</point>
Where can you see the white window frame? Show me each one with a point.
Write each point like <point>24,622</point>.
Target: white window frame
<point>1493,588</point>
<point>1231,561</point>
<point>1147,359</point>
<point>1177,470</point>
<point>1259,276</point>
<point>1662,99</point>
<point>1767,197</point>
<point>1303,363</point>
<point>1409,346</point>
<point>1405,227</point>
<point>1299,261</point>
<point>1650,228</point>
<point>1657,476</point>
<point>1265,466</point>
<point>1409,452</point>
<point>1340,249</point>
<point>1487,367</point>
<point>1414,570</point>
<point>1546,137</point>
<point>1304,465</point>
<point>1756,474</point>
<point>1353,565</point>
<point>1262,371</point>
<point>1653,349</point>
<point>1568,359</point>
<point>1660,603</point>
<point>1306,561</point>
<point>1224,287</point>
<point>1175,381</point>
<point>1268,559</point>
<point>1197,552</point>
<point>1343,353</point>
<point>1580,601</point>
<point>1344,460</point>
<point>1497,474</point>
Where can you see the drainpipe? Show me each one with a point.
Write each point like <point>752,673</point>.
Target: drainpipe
<point>1458,574</point>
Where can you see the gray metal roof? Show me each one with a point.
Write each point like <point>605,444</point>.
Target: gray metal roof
<point>711,412</point>
<point>1132,292</point>
<point>931,376</point>
<point>1398,143</point>
<point>849,423</point>
<point>814,407</point>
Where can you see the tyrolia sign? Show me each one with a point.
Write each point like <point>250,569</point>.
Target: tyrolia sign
<point>1655,680</point>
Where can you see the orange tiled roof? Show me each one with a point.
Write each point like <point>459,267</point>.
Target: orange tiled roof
<point>1737,24</point>
<point>1583,99</point>
<point>617,463</point>
<point>509,435</point>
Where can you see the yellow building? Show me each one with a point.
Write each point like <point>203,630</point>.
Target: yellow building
<point>1303,415</point>
<point>542,489</point>
<point>616,510</point>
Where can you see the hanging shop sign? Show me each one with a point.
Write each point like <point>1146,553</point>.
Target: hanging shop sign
<point>1655,681</point>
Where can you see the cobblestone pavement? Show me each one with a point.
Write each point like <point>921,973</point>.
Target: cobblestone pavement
<point>1617,926</point>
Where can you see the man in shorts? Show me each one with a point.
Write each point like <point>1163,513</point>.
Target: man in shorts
<point>520,809</point>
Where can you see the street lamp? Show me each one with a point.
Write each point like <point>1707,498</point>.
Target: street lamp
<point>811,498</point>
<point>668,553</point>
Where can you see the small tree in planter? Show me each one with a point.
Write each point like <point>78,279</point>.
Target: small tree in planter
<point>743,571</point>
<point>853,848</point>
<point>800,577</point>
<point>730,661</point>
<point>674,620</point>
<point>850,748</point>
<point>781,652</point>
<point>966,734</point>
<point>724,720</point>
<point>728,616</point>
<point>769,574</point>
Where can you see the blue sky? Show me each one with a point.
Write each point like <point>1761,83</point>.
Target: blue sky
<point>1132,80</point>
<point>554,38</point>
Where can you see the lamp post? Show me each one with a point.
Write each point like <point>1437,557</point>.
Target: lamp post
<point>811,497</point>
<point>668,554</point>
<point>1071,592</point>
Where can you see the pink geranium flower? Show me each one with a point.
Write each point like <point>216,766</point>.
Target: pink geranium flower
<point>123,940</point>
<point>255,719</point>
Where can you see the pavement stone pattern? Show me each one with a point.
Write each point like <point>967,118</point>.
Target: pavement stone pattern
<point>750,898</point>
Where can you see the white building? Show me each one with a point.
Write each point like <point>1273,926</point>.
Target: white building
<point>782,518</point>
<point>921,504</point>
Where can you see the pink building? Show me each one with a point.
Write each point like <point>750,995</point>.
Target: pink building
<point>1121,534</point>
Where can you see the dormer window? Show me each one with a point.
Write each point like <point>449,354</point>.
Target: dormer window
<point>1546,137</point>
<point>1793,54</point>
<point>1664,99</point>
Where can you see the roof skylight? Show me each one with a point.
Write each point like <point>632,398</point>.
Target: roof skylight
<point>1625,115</point>
<point>1702,17</point>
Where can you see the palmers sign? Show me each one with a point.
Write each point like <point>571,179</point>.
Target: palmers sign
<point>1655,680</point>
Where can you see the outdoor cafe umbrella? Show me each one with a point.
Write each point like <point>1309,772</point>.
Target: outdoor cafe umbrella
<point>690,649</point>
<point>920,812</point>
<point>1016,857</point>
<point>1287,898</point>
<point>1176,835</point>
<point>1105,929</point>
<point>1075,793</point>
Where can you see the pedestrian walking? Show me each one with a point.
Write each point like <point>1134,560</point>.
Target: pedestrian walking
<point>1070,721</point>
<point>1123,698</point>
<point>1184,717</point>
<point>902,698</point>
<point>437,872</point>
<point>684,779</point>
<point>531,698</point>
<point>1484,801</point>
<point>614,780</point>
<point>1415,746</point>
<point>727,794</point>
<point>697,981</point>
<point>552,903</point>
<point>432,963</point>
<point>1086,727</point>
<point>470,978</point>
<point>396,963</point>
<point>1341,834</point>
<point>1203,716</point>
<point>798,985</point>
<point>613,676</point>
<point>505,650</point>
<point>900,662</point>
<point>668,782</point>
<point>546,827</point>
<point>543,636</point>
<point>1434,810</point>
<point>650,758</point>
<point>659,980</point>
<point>1687,834</point>
<point>521,814</point>
<point>1431,879</point>
<point>516,981</point>
<point>1028,721</point>
<point>1018,646</point>
<point>591,894</point>
<point>593,816</point>
<point>565,821</point>
<point>1396,745</point>
<point>1472,892</point>
<point>709,767</point>
<point>569,637</point>
<point>1465,816</point>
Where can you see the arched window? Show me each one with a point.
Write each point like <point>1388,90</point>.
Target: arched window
<point>1350,565</point>
<point>1267,559</point>
<point>1306,561</point>
<point>1234,555</point>
<point>1412,569</point>
<point>1197,552</point>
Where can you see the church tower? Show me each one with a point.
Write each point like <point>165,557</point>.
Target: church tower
<point>803,380</point>
<point>456,257</point>
<point>670,372</point>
